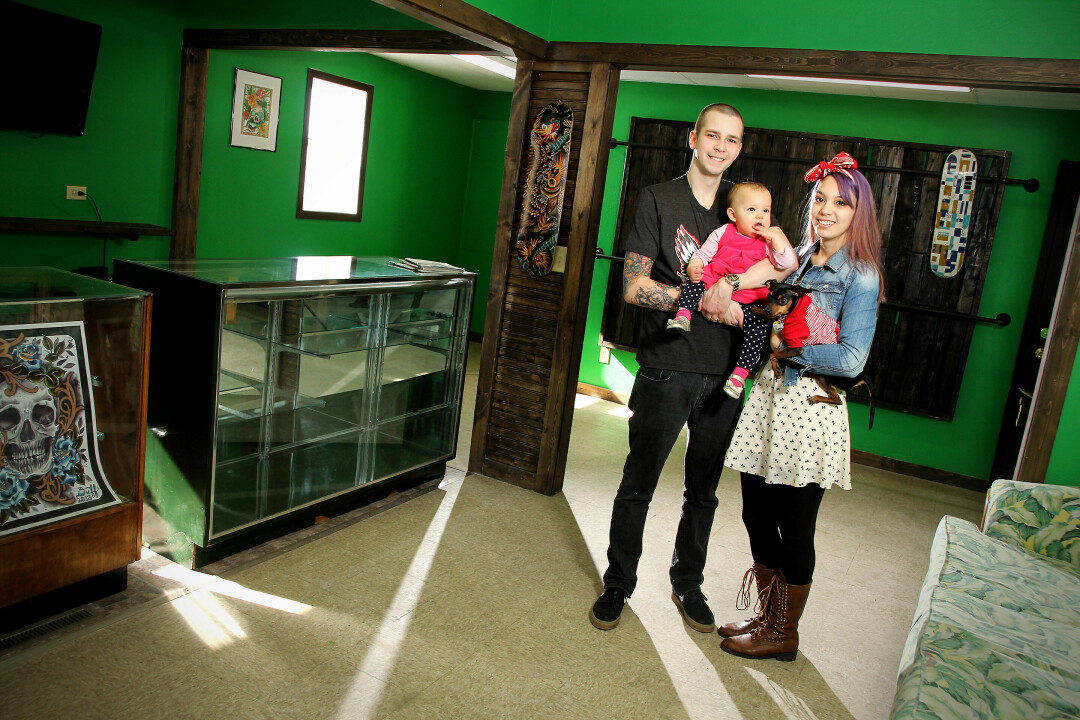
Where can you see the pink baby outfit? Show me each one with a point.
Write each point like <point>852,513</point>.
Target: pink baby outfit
<point>727,250</point>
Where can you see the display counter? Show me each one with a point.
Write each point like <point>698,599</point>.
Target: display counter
<point>283,389</point>
<point>73,368</point>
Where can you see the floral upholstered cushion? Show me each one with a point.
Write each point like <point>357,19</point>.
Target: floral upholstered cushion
<point>1043,519</point>
<point>996,633</point>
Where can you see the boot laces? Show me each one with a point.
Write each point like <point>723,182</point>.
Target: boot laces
<point>742,600</point>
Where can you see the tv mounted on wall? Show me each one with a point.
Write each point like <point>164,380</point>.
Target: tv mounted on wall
<point>47,64</point>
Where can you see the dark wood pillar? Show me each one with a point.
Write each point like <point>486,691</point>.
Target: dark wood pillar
<point>195,64</point>
<point>535,325</point>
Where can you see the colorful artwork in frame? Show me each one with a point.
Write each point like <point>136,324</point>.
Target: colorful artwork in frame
<point>49,467</point>
<point>256,99</point>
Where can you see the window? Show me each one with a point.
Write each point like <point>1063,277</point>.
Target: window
<point>333,156</point>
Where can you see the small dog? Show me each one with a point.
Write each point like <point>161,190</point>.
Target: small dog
<point>782,301</point>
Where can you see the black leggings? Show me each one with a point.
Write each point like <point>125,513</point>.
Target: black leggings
<point>780,520</point>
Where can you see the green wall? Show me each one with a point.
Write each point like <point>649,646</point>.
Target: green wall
<point>484,188</point>
<point>1006,28</point>
<point>1064,466</point>
<point>125,158</point>
<point>316,14</point>
<point>433,177</point>
<point>418,163</point>
<point>1037,139</point>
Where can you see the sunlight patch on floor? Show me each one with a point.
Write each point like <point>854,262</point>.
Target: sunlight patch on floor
<point>363,697</point>
<point>210,621</point>
<point>582,401</point>
<point>786,701</point>
<point>193,579</point>
<point>665,629</point>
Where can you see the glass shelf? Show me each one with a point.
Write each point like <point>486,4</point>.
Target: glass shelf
<point>253,330</point>
<point>228,381</point>
<point>328,343</point>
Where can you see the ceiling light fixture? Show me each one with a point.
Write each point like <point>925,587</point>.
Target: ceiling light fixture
<point>875,83</point>
<point>488,64</point>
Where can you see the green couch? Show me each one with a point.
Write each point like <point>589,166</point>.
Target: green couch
<point>996,633</point>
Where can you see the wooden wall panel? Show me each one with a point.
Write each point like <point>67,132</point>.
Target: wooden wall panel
<point>529,365</point>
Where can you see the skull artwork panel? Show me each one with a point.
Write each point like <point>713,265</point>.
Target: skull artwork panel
<point>48,448</point>
<point>28,424</point>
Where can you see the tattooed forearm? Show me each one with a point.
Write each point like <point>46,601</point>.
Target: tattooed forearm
<point>635,266</point>
<point>640,289</point>
<point>655,297</point>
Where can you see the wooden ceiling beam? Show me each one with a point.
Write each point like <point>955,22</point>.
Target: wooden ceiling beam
<point>423,41</point>
<point>984,72</point>
<point>473,24</point>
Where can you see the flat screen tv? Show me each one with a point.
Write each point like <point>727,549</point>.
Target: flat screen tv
<point>47,64</point>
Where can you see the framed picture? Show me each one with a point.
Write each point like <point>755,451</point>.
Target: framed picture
<point>255,110</point>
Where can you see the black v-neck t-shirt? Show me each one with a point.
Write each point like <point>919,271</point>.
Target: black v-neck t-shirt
<point>665,213</point>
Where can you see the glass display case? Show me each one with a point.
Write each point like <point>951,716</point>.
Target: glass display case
<point>73,367</point>
<point>282,389</point>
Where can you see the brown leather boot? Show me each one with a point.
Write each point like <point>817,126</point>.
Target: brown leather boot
<point>778,636</point>
<point>763,578</point>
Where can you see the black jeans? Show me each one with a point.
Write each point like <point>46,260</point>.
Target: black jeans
<point>781,521</point>
<point>662,402</point>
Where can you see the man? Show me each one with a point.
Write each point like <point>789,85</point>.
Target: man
<point>681,377</point>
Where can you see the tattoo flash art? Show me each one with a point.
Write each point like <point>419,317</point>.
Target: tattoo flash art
<point>49,468</point>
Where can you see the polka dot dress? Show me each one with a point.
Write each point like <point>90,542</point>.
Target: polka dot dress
<point>787,440</point>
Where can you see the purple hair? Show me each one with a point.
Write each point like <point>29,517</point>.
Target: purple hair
<point>864,237</point>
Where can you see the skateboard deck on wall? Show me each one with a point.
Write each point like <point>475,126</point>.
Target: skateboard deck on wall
<point>954,213</point>
<point>549,157</point>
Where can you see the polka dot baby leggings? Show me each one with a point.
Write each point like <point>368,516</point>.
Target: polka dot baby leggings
<point>755,334</point>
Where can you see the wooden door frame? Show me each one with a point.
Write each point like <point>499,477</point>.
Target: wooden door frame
<point>484,33</point>
<point>1059,355</point>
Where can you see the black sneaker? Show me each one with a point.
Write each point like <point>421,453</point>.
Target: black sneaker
<point>694,610</point>
<point>605,612</point>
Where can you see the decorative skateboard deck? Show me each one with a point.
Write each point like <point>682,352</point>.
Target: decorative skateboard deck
<point>953,213</point>
<point>549,157</point>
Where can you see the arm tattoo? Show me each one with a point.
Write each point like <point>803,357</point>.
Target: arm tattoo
<point>650,294</point>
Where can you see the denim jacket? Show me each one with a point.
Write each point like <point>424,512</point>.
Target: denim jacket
<point>848,295</point>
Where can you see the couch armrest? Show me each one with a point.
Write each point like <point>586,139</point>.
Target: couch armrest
<point>1042,519</point>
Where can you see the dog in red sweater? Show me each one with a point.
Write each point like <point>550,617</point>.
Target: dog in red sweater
<point>804,324</point>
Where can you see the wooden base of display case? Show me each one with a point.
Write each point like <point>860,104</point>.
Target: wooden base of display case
<point>45,559</point>
<point>60,601</point>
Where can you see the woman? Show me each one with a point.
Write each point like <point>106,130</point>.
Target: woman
<point>788,450</point>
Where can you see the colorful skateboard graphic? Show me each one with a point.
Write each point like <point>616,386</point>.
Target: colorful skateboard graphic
<point>954,213</point>
<point>549,156</point>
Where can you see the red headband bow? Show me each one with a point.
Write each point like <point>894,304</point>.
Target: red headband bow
<point>840,163</point>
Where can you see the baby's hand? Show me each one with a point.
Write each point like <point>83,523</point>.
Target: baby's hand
<point>695,269</point>
<point>775,237</point>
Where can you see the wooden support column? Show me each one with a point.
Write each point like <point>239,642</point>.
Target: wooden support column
<point>1054,374</point>
<point>535,325</point>
<point>195,65</point>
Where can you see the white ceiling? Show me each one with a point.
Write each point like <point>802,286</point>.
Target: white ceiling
<point>464,73</point>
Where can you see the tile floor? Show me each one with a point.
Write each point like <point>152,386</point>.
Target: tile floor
<point>468,598</point>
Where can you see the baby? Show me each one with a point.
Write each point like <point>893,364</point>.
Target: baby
<point>732,249</point>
